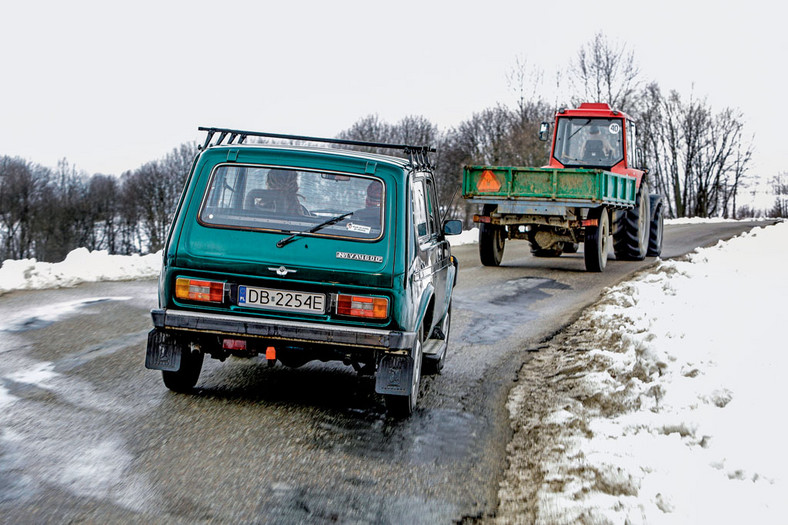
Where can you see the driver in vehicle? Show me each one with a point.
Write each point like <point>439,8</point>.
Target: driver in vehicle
<point>597,146</point>
<point>283,193</point>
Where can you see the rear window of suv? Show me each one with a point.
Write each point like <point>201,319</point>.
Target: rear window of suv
<point>288,200</point>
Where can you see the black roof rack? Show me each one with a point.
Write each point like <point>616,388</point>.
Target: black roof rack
<point>417,155</point>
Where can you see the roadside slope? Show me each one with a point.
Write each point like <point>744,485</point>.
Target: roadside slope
<point>662,402</point>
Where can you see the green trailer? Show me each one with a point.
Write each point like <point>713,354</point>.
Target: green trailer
<point>593,189</point>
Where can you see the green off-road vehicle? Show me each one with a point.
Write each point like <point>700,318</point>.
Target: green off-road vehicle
<point>301,253</point>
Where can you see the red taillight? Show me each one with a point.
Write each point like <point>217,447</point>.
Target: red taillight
<point>196,290</point>
<point>363,306</point>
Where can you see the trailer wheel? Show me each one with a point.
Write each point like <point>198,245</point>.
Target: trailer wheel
<point>631,228</point>
<point>492,239</point>
<point>597,240</point>
<point>657,225</point>
<point>184,379</point>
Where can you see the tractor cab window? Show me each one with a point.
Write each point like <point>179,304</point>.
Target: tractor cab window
<point>589,142</point>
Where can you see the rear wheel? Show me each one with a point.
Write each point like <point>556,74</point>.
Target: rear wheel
<point>657,225</point>
<point>491,240</point>
<point>631,228</point>
<point>597,240</point>
<point>404,405</point>
<point>184,379</point>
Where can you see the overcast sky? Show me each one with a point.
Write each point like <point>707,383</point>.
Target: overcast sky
<point>112,85</point>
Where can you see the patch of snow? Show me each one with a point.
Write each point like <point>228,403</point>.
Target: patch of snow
<point>81,265</point>
<point>677,416</point>
<point>467,237</point>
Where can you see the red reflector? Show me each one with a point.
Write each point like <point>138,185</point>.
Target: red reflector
<point>488,182</point>
<point>234,344</point>
<point>270,353</point>
<point>589,222</point>
<point>481,218</point>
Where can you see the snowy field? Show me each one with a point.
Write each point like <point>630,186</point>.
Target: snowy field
<point>663,403</point>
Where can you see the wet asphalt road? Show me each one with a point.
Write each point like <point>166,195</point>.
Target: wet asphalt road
<point>88,435</point>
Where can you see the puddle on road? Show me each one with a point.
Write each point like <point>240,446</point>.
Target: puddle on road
<point>428,436</point>
<point>501,307</point>
<point>43,316</point>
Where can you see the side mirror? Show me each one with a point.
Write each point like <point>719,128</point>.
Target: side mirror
<point>452,227</point>
<point>544,132</point>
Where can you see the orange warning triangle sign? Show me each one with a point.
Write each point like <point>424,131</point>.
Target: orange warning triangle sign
<point>488,182</point>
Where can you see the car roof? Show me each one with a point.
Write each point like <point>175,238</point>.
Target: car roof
<point>399,162</point>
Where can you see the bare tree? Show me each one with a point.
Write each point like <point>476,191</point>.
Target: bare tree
<point>698,159</point>
<point>780,189</point>
<point>605,72</point>
<point>22,202</point>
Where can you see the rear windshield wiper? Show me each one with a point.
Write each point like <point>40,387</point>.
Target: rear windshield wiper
<point>313,229</point>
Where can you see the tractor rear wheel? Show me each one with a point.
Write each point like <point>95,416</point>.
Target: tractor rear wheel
<point>657,225</point>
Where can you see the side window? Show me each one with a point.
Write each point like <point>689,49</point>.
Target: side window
<point>420,221</point>
<point>631,146</point>
<point>432,207</point>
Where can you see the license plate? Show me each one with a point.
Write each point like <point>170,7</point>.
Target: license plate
<point>285,300</point>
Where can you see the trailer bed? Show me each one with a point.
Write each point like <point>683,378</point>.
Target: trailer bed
<point>544,188</point>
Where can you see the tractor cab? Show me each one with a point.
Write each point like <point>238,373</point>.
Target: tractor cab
<point>594,136</point>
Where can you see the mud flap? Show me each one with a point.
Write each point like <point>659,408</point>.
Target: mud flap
<point>395,374</point>
<point>164,352</point>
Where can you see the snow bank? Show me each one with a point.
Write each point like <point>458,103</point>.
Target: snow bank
<point>669,399</point>
<point>467,237</point>
<point>710,220</point>
<point>81,265</point>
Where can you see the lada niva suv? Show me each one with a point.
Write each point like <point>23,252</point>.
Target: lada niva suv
<point>300,253</point>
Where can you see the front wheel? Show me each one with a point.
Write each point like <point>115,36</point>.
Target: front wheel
<point>184,379</point>
<point>596,240</point>
<point>631,228</point>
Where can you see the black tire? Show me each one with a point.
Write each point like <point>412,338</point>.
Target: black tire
<point>570,247</point>
<point>631,228</point>
<point>403,406</point>
<point>492,239</point>
<point>597,238</point>
<point>433,363</point>
<point>657,227</point>
<point>183,380</point>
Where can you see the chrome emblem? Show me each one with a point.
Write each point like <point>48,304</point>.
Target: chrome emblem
<point>281,271</point>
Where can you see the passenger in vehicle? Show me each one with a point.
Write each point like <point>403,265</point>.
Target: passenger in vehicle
<point>371,213</point>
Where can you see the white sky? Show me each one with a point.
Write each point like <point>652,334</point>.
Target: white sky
<point>111,86</point>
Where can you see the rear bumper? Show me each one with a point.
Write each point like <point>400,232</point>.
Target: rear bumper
<point>276,329</point>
